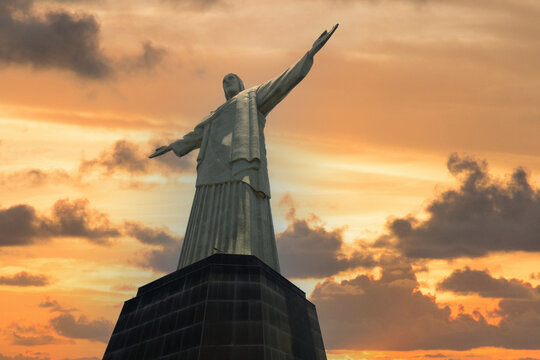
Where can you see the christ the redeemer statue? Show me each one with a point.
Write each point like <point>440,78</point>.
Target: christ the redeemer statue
<point>231,209</point>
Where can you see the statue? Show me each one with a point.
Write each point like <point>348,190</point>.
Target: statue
<point>231,208</point>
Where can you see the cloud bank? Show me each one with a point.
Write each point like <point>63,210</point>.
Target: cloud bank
<point>484,215</point>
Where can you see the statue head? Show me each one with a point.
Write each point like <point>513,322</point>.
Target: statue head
<point>232,85</point>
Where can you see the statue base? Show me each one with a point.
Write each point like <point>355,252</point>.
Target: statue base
<point>224,307</point>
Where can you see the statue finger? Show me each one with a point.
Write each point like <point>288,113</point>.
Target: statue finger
<point>334,28</point>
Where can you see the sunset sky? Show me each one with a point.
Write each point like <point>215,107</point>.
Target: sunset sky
<point>405,168</point>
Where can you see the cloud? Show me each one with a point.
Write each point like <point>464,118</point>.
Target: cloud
<point>54,306</point>
<point>193,4</point>
<point>34,340</point>
<point>307,249</point>
<point>127,157</point>
<point>150,57</point>
<point>82,328</point>
<point>33,177</point>
<point>33,335</point>
<point>165,257</point>
<point>482,216</point>
<point>24,279</point>
<point>23,357</point>
<point>392,314</point>
<point>76,219</point>
<point>57,40</point>
<point>480,282</point>
<point>520,324</point>
<point>20,224</point>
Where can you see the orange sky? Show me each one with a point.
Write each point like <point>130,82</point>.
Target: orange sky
<point>405,165</point>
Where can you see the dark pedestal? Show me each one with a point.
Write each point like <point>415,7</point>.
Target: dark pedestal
<point>225,307</point>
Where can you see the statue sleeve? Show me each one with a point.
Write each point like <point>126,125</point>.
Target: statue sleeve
<point>272,92</point>
<point>190,141</point>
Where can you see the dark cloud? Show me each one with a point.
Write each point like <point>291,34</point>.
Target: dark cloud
<point>484,215</point>
<point>127,157</point>
<point>33,177</point>
<point>307,249</point>
<point>9,6</point>
<point>23,357</point>
<point>22,340</point>
<point>54,306</point>
<point>25,279</point>
<point>124,156</point>
<point>479,282</point>
<point>165,257</point>
<point>520,324</point>
<point>150,57</point>
<point>390,313</point>
<point>57,40</point>
<point>20,225</point>
<point>33,335</point>
<point>67,325</point>
<point>76,219</point>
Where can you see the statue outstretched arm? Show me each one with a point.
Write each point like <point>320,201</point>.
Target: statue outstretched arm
<point>272,92</point>
<point>183,146</point>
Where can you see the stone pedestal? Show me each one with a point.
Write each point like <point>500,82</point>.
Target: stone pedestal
<point>224,307</point>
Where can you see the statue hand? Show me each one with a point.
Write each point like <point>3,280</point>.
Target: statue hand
<point>319,43</point>
<point>160,151</point>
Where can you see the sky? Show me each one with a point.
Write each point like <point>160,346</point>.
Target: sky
<point>404,168</point>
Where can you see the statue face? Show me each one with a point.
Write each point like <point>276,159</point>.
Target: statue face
<point>231,85</point>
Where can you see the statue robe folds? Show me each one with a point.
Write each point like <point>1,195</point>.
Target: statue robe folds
<point>231,209</point>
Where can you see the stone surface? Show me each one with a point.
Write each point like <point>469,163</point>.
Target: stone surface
<point>232,149</point>
<point>223,307</point>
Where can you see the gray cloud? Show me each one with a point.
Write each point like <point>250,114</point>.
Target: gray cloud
<point>469,281</point>
<point>33,335</point>
<point>20,225</point>
<point>162,259</point>
<point>23,340</point>
<point>484,215</point>
<point>56,40</point>
<point>33,177</point>
<point>76,219</point>
<point>150,57</point>
<point>54,306</point>
<point>307,249</point>
<point>67,325</point>
<point>23,357</point>
<point>24,279</point>
<point>390,313</point>
<point>128,157</point>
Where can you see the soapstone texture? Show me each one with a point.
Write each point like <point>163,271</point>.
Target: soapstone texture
<point>231,210</point>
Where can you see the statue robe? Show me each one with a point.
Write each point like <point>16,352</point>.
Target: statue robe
<point>231,209</point>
